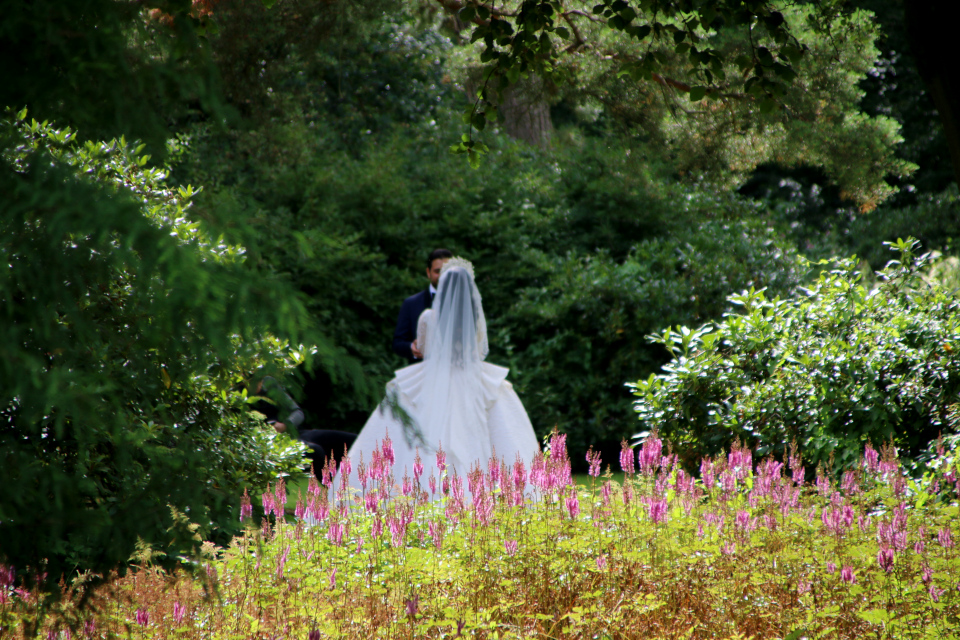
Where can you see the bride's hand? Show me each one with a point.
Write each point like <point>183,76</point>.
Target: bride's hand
<point>416,352</point>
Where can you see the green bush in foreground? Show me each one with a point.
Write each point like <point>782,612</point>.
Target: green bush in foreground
<point>124,330</point>
<point>839,367</point>
<point>744,551</point>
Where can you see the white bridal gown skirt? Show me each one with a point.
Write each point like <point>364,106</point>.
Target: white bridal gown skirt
<point>509,434</point>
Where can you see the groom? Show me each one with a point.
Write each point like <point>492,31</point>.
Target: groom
<point>404,337</point>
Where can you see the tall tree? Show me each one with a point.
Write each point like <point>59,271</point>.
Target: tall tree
<point>128,326</point>
<point>760,81</point>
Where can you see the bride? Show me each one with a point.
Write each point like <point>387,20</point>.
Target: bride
<point>453,399</point>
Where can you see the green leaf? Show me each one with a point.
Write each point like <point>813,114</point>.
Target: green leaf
<point>468,13</point>
<point>562,32</point>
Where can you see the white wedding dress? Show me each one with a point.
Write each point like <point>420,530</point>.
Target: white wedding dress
<point>453,399</point>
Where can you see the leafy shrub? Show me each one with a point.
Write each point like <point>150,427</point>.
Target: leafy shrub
<point>832,369</point>
<point>126,332</point>
<point>577,338</point>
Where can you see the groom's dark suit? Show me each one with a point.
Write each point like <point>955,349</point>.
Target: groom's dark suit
<point>406,331</point>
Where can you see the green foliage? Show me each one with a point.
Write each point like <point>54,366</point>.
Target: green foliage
<point>575,338</point>
<point>109,68</point>
<point>719,88</point>
<point>127,330</point>
<point>529,38</point>
<point>840,366</point>
<point>580,252</point>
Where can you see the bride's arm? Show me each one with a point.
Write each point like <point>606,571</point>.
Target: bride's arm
<point>422,325</point>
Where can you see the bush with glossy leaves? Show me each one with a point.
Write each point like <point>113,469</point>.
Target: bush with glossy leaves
<point>831,369</point>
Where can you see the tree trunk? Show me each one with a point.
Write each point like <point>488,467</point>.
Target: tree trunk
<point>930,33</point>
<point>525,113</point>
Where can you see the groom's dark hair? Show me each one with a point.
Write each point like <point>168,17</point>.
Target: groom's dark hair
<point>438,254</point>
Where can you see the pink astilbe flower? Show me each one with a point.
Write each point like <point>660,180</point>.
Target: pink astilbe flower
<point>300,510</point>
<point>246,509</point>
<point>945,538</point>
<point>511,547</point>
<point>370,502</point>
<point>335,532</point>
<point>433,484</point>
<point>412,605</point>
<point>885,557</point>
<point>269,505</point>
<point>927,575</point>
<point>770,522</point>
<point>558,446</point>
<point>831,567</point>
<point>573,504</point>
<point>899,485</point>
<point>606,493</point>
<point>823,484</point>
<point>650,453</point>
<point>280,495</point>
<point>376,528</point>
<point>333,579</point>
<point>482,506</point>
<point>437,529</point>
<point>740,461</point>
<point>493,471</point>
<point>407,484</point>
<point>314,634</point>
<point>920,545</point>
<point>847,516</point>
<point>387,448</point>
<point>847,575</point>
<point>282,562</point>
<point>627,493</point>
<point>803,586</point>
<point>359,544</point>
<point>441,459</point>
<point>376,465</point>
<point>89,627</point>
<point>142,617</point>
<point>178,612</point>
<point>657,511</point>
<point>593,458</point>
<point>627,456</point>
<point>417,465</point>
<point>935,593</point>
<point>457,488</point>
<point>849,484</point>
<point>519,476</point>
<point>728,482</point>
<point>708,473</point>
<point>871,459</point>
<point>601,562</point>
